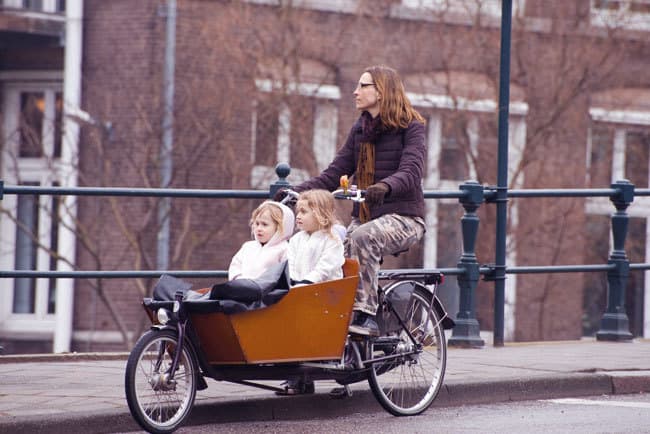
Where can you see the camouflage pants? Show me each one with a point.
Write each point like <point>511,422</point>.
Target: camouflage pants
<point>369,242</point>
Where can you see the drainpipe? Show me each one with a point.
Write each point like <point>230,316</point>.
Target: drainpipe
<point>69,158</point>
<point>502,175</point>
<point>164,207</point>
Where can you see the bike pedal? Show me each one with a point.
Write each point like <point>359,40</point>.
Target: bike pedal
<point>341,392</point>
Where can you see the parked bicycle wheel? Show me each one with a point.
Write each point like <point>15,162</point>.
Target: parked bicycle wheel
<point>157,403</point>
<point>407,385</point>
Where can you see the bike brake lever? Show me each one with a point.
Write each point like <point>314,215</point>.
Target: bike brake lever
<point>357,196</point>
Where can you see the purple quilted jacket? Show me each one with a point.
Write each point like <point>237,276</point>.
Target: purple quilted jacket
<point>399,162</point>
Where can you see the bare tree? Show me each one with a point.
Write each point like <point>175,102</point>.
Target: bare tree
<point>227,124</point>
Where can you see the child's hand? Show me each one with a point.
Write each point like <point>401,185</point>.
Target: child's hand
<point>280,194</point>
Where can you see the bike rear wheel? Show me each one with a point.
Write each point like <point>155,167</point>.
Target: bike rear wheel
<point>407,385</point>
<point>159,404</point>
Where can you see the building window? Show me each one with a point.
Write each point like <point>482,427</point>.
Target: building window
<point>35,224</point>
<point>618,152</point>
<point>26,248</point>
<point>39,130</point>
<point>26,252</point>
<point>460,110</point>
<point>594,296</point>
<point>456,149</point>
<point>36,5</point>
<point>637,144</point>
<point>55,221</point>
<point>32,112</point>
<point>599,160</point>
<point>627,14</point>
<point>295,124</point>
<point>29,224</point>
<point>460,11</point>
<point>619,148</point>
<point>340,6</point>
<point>49,6</point>
<point>463,146</point>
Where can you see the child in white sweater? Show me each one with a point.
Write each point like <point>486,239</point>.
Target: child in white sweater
<point>316,252</point>
<point>271,226</point>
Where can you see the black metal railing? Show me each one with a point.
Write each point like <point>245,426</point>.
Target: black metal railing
<point>614,324</point>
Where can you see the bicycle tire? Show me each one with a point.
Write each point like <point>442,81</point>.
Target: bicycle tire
<point>159,406</point>
<point>407,386</point>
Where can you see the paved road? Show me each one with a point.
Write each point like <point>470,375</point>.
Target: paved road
<point>84,393</point>
<point>588,415</point>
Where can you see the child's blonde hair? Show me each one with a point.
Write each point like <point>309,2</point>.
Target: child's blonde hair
<point>321,202</point>
<point>274,211</point>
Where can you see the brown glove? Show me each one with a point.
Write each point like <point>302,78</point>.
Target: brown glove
<point>375,194</point>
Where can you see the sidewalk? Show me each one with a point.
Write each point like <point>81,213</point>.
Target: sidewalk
<point>85,392</point>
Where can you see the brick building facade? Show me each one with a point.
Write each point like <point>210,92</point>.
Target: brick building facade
<point>259,82</point>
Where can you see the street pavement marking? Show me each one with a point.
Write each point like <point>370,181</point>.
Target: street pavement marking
<point>577,401</point>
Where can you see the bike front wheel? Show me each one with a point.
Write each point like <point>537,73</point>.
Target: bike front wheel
<point>406,385</point>
<point>157,401</point>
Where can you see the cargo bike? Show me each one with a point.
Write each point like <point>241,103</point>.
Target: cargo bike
<point>289,333</point>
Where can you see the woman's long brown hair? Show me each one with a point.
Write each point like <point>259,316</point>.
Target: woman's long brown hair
<point>395,108</point>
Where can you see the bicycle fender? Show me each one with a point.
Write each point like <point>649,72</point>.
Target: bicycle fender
<point>162,327</point>
<point>400,294</point>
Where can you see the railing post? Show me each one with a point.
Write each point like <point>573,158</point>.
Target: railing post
<point>615,325</point>
<point>466,332</point>
<point>2,190</point>
<point>282,170</point>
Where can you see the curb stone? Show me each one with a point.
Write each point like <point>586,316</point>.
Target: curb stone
<point>271,407</point>
<point>63,357</point>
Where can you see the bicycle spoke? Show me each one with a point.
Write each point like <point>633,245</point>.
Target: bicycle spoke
<point>409,384</point>
<point>157,402</point>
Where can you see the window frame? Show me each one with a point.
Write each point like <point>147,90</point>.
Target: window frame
<point>517,142</point>
<point>622,121</point>
<point>325,128</point>
<point>48,6</point>
<point>340,6</point>
<point>621,18</point>
<point>455,11</point>
<point>44,171</point>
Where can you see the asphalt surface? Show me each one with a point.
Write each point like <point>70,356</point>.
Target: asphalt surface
<point>85,392</point>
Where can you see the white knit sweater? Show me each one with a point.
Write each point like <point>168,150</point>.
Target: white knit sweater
<point>315,257</point>
<point>253,258</point>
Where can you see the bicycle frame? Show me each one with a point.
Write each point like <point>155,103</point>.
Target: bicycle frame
<point>303,336</point>
<point>281,368</point>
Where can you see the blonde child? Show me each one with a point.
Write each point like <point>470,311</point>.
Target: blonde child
<point>316,252</point>
<point>271,225</point>
<point>315,255</point>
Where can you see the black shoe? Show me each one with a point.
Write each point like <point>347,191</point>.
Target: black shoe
<point>297,387</point>
<point>364,324</point>
<point>200,383</point>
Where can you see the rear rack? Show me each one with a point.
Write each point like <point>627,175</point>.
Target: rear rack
<point>428,277</point>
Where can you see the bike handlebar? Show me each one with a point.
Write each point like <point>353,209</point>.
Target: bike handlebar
<point>353,195</point>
